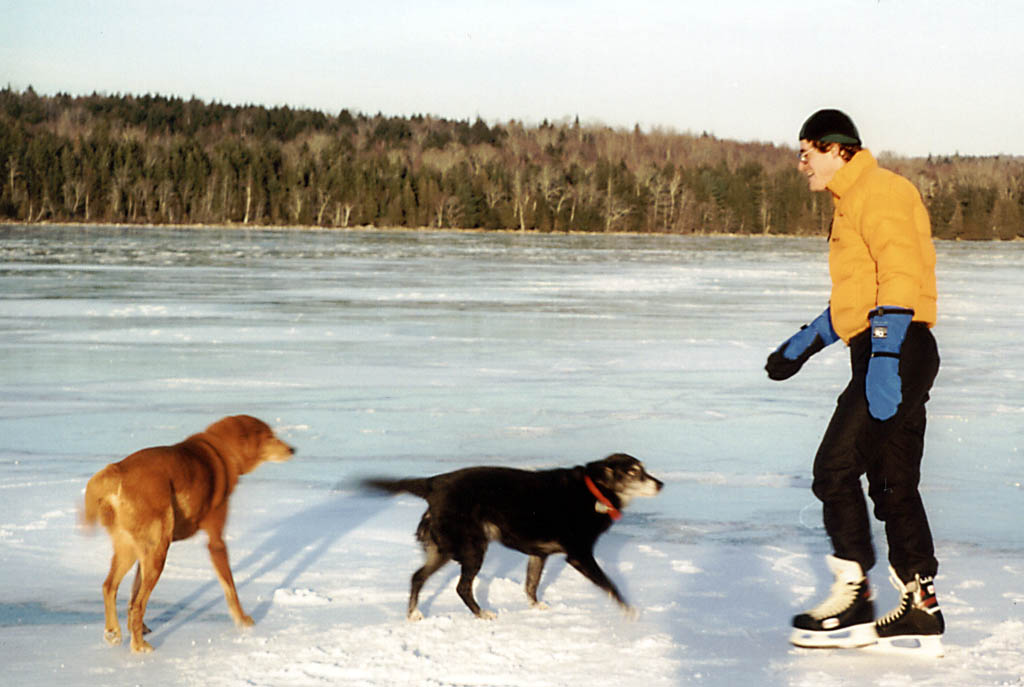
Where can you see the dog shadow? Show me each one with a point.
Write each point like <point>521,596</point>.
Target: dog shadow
<point>295,543</point>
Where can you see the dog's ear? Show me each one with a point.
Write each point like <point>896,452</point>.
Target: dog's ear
<point>596,471</point>
<point>601,473</point>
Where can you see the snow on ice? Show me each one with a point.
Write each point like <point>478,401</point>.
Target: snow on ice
<point>415,353</point>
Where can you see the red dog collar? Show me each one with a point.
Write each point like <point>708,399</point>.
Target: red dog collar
<point>603,505</point>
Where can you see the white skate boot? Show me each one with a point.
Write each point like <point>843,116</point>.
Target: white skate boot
<point>846,619</point>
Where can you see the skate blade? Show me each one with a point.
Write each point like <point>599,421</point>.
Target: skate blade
<point>852,637</point>
<point>925,646</point>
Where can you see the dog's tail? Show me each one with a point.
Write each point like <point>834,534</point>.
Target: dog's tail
<point>415,486</point>
<point>100,495</point>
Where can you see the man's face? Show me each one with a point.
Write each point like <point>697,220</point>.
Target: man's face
<point>819,167</point>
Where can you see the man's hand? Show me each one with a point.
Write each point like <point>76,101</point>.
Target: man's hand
<point>786,360</point>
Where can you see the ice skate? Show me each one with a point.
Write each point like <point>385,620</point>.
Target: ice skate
<point>916,625</point>
<point>846,619</point>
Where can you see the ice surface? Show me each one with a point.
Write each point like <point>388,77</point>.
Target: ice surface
<point>415,353</point>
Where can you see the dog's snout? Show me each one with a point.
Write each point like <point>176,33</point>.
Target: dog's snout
<point>277,451</point>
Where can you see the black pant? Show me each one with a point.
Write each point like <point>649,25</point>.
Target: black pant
<point>889,453</point>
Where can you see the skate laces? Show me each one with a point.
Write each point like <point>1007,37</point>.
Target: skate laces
<point>840,597</point>
<point>905,595</point>
<point>912,594</point>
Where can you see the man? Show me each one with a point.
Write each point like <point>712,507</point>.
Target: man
<point>883,305</point>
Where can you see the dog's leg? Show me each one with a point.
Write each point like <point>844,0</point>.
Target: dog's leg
<point>534,567</point>
<point>472,561</point>
<point>585,563</point>
<point>435,559</point>
<point>151,564</point>
<point>135,593</point>
<point>219,557</point>
<point>120,564</point>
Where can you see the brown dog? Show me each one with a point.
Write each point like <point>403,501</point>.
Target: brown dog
<point>166,493</point>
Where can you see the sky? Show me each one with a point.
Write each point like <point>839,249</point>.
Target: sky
<point>918,77</point>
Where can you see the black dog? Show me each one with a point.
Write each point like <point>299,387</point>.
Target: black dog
<point>538,513</point>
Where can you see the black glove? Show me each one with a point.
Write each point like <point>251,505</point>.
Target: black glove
<point>786,360</point>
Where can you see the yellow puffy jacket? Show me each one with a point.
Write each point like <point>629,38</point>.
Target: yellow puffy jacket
<point>880,247</point>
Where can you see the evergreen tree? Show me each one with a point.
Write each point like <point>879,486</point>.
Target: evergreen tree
<point>158,159</point>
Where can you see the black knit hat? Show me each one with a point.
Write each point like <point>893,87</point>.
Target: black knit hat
<point>830,126</point>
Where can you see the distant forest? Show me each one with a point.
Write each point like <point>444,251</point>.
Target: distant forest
<point>163,160</point>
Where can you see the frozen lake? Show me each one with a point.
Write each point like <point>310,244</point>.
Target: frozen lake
<point>423,351</point>
<point>416,353</point>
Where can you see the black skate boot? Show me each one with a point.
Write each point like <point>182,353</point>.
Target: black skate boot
<point>916,624</point>
<point>846,619</point>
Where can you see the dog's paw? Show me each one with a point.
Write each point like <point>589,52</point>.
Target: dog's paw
<point>540,606</point>
<point>244,621</point>
<point>141,647</point>
<point>631,613</point>
<point>486,615</point>
<point>113,637</point>
<point>415,615</point>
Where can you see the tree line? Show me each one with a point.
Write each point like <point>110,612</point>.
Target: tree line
<point>164,160</point>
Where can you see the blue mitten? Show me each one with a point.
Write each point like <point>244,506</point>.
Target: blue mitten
<point>786,360</point>
<point>883,387</point>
